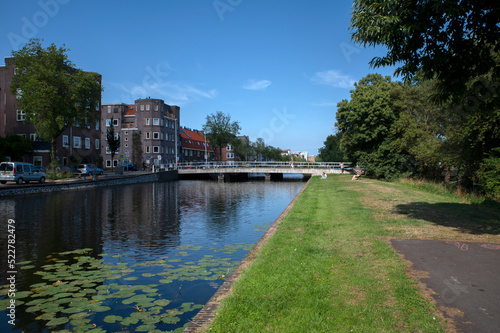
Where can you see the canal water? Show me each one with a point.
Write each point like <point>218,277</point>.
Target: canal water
<point>128,258</point>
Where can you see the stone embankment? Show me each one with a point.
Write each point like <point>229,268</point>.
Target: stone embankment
<point>80,183</point>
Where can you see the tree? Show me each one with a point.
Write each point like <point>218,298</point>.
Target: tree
<point>14,146</point>
<point>242,148</point>
<point>453,41</point>
<point>53,94</point>
<point>220,130</point>
<point>137,148</point>
<point>331,151</point>
<point>113,140</point>
<point>365,124</point>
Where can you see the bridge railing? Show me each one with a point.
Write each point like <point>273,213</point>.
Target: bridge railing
<point>262,164</point>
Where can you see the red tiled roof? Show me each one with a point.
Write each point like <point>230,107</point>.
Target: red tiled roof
<point>130,111</point>
<point>193,140</point>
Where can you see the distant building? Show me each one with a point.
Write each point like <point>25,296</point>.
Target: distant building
<point>286,152</point>
<point>195,147</point>
<point>301,154</point>
<point>82,142</point>
<point>311,158</point>
<point>158,126</point>
<point>228,152</point>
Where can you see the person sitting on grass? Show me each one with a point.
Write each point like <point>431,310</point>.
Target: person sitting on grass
<point>323,176</point>
<point>357,175</point>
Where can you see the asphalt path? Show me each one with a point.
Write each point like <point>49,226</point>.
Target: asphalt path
<point>464,276</point>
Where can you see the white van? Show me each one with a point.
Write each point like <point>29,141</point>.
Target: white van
<point>20,172</point>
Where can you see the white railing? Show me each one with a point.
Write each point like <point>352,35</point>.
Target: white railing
<point>263,164</point>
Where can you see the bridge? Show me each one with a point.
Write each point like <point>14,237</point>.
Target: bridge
<point>271,170</point>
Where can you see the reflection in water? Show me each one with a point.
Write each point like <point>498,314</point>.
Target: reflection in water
<point>142,222</point>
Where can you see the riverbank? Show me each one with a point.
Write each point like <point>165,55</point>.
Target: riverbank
<point>108,179</point>
<point>330,266</point>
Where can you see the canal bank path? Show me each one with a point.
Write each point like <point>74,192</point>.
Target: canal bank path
<point>345,257</point>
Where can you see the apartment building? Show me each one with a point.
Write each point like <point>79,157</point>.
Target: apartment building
<point>195,147</point>
<point>155,123</point>
<point>83,143</point>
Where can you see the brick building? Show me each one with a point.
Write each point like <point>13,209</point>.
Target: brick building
<point>157,124</point>
<point>83,143</point>
<point>195,146</point>
<point>228,152</point>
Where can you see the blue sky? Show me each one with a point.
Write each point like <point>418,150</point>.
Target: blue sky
<point>278,67</point>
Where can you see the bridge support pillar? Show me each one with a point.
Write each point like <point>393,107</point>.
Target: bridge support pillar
<point>220,177</point>
<point>268,177</point>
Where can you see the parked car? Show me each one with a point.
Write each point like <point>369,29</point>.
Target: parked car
<point>40,168</point>
<point>89,169</point>
<point>130,167</point>
<point>20,172</point>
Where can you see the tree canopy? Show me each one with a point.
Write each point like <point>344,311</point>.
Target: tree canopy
<point>113,140</point>
<point>220,130</point>
<point>453,41</point>
<point>52,92</point>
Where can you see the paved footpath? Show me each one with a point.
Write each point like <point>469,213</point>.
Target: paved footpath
<point>465,277</point>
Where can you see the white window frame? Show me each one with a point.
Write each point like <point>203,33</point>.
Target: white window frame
<point>142,107</point>
<point>87,143</point>
<point>148,121</point>
<point>108,122</point>
<point>115,122</point>
<point>21,115</point>
<point>148,136</point>
<point>147,149</point>
<point>156,149</point>
<point>77,142</point>
<point>97,146</point>
<point>108,163</point>
<point>156,135</point>
<point>156,121</point>
<point>97,125</point>
<point>65,141</point>
<point>109,108</point>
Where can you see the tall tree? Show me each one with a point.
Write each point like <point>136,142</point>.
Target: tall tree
<point>365,123</point>
<point>52,92</point>
<point>113,140</point>
<point>220,130</point>
<point>331,151</point>
<point>14,146</point>
<point>453,41</point>
<point>137,148</point>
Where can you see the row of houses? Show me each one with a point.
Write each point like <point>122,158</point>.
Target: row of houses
<point>149,131</point>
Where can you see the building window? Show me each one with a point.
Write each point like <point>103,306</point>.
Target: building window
<point>77,142</point>
<point>156,121</point>
<point>87,143</point>
<point>115,110</point>
<point>109,108</point>
<point>156,149</point>
<point>37,160</point>
<point>230,155</point>
<point>96,143</point>
<point>65,141</point>
<point>126,138</point>
<point>115,122</point>
<point>108,122</point>
<point>142,107</point>
<point>147,136</point>
<point>33,136</point>
<point>115,163</point>
<point>108,151</point>
<point>147,150</point>
<point>108,163</point>
<point>97,125</point>
<point>21,115</point>
<point>147,107</point>
<point>229,147</point>
<point>156,135</point>
<point>147,121</point>
<point>156,107</point>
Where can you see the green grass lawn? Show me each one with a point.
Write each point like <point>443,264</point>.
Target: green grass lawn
<point>330,268</point>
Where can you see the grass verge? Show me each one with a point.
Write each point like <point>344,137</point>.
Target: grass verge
<point>329,267</point>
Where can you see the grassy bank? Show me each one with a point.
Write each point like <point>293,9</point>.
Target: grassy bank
<point>330,268</point>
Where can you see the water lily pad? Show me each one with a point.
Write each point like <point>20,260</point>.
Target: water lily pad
<point>170,319</point>
<point>162,302</point>
<point>57,321</point>
<point>46,316</point>
<point>131,278</point>
<point>129,321</point>
<point>145,328</point>
<point>21,263</point>
<point>111,319</point>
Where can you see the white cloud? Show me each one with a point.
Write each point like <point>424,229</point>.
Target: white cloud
<point>257,85</point>
<point>328,104</point>
<point>333,78</point>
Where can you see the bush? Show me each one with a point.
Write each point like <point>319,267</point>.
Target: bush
<point>488,175</point>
